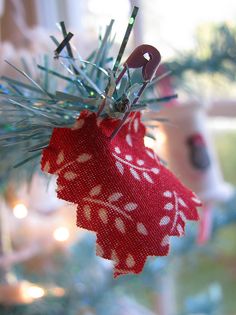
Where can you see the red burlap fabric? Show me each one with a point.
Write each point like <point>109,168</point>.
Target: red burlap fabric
<point>122,190</point>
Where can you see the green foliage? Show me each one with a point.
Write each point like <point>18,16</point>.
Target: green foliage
<point>226,150</point>
<point>215,52</point>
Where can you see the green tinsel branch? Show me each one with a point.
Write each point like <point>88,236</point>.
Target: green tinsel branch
<point>30,108</point>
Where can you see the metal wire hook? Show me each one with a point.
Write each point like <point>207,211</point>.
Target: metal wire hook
<point>147,57</point>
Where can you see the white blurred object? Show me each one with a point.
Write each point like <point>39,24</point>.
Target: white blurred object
<point>38,46</point>
<point>43,233</point>
<point>223,108</point>
<point>7,52</point>
<point>21,292</point>
<point>167,293</point>
<point>1,7</point>
<point>42,195</point>
<point>24,42</point>
<point>189,152</point>
<point>20,211</point>
<point>128,306</point>
<point>61,234</point>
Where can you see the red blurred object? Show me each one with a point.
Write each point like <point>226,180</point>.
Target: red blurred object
<point>198,152</point>
<point>145,56</point>
<point>205,226</point>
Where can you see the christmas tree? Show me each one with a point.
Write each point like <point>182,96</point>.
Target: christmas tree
<point>67,110</point>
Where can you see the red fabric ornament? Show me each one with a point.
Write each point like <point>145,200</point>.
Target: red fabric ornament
<point>123,192</point>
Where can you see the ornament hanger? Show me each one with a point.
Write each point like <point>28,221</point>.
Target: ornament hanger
<point>146,57</point>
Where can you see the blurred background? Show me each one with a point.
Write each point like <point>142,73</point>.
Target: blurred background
<point>47,265</point>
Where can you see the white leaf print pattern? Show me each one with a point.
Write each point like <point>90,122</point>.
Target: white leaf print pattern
<point>131,206</point>
<point>115,197</point>
<point>165,241</point>
<point>120,167</point>
<point>169,206</point>
<point>150,154</point>
<point>47,167</point>
<point>95,191</point>
<point>140,162</point>
<point>167,194</point>
<point>134,173</point>
<point>141,229</point>
<point>120,225</point>
<point>129,140</point>
<point>114,257</point>
<point>118,214</point>
<point>155,170</point>
<point>136,169</point>
<point>182,202</point>
<point>136,125</point>
<point>83,158</point>
<point>176,204</point>
<point>130,262</point>
<point>165,220</point>
<point>70,176</point>
<point>117,150</point>
<point>99,250</point>
<point>195,199</point>
<point>60,158</point>
<point>147,177</point>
